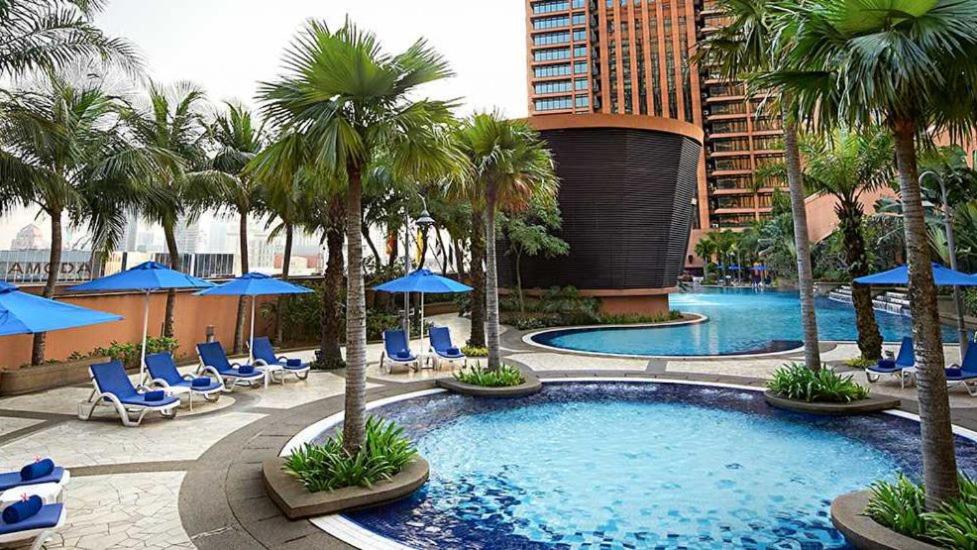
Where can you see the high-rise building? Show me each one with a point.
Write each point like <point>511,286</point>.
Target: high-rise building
<point>632,57</point>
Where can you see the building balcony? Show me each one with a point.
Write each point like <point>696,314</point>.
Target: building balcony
<point>724,98</point>
<point>730,172</point>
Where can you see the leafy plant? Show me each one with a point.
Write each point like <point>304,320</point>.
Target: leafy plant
<point>900,507</point>
<point>859,363</point>
<point>327,467</point>
<point>475,351</point>
<point>505,376</point>
<point>795,381</point>
<point>130,353</point>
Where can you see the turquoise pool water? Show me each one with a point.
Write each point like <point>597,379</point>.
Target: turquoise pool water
<point>741,321</point>
<point>615,466</point>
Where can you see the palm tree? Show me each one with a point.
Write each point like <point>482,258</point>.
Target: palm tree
<point>511,165</point>
<point>705,248</point>
<point>171,127</point>
<point>238,137</point>
<point>354,102</point>
<point>63,149</point>
<point>845,165</point>
<point>53,34</point>
<point>750,44</point>
<point>912,66</point>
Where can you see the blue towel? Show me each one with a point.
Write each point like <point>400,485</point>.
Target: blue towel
<point>294,362</point>
<point>19,511</point>
<point>453,351</point>
<point>403,354</point>
<point>886,364</point>
<point>954,372</point>
<point>202,382</point>
<point>157,395</point>
<point>37,470</point>
<point>246,369</point>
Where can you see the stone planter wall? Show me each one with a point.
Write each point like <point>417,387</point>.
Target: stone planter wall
<point>43,377</point>
<point>865,406</point>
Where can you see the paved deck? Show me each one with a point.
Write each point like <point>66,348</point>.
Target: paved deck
<point>194,482</point>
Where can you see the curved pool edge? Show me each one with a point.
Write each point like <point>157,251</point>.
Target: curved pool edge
<point>354,534</point>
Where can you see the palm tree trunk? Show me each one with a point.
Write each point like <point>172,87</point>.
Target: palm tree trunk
<point>805,271</point>
<point>373,248</point>
<point>491,284</point>
<point>245,268</point>
<point>869,337</point>
<point>354,422</point>
<point>939,459</point>
<point>518,270</point>
<point>444,252</point>
<point>54,268</point>
<point>477,337</point>
<point>283,300</point>
<point>330,353</point>
<point>459,259</point>
<point>177,265</point>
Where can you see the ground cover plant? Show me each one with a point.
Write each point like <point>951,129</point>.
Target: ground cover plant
<point>796,381</point>
<point>899,505</point>
<point>503,377</point>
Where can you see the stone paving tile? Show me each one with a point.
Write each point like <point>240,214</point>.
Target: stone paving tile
<point>123,511</point>
<point>560,361</point>
<point>296,392</point>
<point>10,424</point>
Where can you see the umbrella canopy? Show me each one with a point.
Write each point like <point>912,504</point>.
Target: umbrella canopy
<point>145,276</point>
<point>24,313</point>
<point>425,282</point>
<point>942,276</point>
<point>254,284</point>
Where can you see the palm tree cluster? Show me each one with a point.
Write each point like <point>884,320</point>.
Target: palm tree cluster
<point>874,71</point>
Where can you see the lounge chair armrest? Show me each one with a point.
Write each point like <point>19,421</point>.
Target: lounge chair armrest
<point>159,382</point>
<point>282,359</point>
<point>142,388</point>
<point>188,376</point>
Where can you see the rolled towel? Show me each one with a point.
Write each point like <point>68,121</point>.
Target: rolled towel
<point>294,362</point>
<point>887,364</point>
<point>453,351</point>
<point>953,372</point>
<point>37,470</point>
<point>157,395</point>
<point>403,354</point>
<point>19,511</point>
<point>201,382</point>
<point>246,369</point>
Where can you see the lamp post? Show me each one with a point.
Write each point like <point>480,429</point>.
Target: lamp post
<point>952,250</point>
<point>423,221</point>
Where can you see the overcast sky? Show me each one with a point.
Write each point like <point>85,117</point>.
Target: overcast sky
<point>228,46</point>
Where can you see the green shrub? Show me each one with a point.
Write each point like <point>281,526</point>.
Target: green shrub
<point>475,351</point>
<point>327,467</point>
<point>130,353</point>
<point>900,507</point>
<point>859,363</point>
<point>504,377</point>
<point>795,381</point>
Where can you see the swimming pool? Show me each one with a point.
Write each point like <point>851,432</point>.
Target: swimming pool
<point>636,465</point>
<point>741,321</point>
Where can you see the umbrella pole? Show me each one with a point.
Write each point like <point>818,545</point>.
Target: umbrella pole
<point>145,334</point>
<point>251,344</point>
<point>423,349</point>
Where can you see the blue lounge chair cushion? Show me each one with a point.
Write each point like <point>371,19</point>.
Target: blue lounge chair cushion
<point>403,355</point>
<point>885,365</point>
<point>157,395</point>
<point>141,401</point>
<point>39,469</point>
<point>201,382</point>
<point>161,366</point>
<point>20,511</point>
<point>10,480</point>
<point>246,369</point>
<point>46,518</point>
<point>954,373</point>
<point>293,363</point>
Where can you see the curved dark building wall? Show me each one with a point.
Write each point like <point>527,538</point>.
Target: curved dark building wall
<point>626,197</point>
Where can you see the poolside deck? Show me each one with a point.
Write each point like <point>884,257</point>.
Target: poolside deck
<point>194,482</point>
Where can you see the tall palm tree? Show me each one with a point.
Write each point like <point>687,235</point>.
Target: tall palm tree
<point>63,148</point>
<point>52,34</point>
<point>910,65</point>
<point>511,165</point>
<point>705,248</point>
<point>354,102</point>
<point>172,128</point>
<point>750,44</point>
<point>845,165</point>
<point>238,138</point>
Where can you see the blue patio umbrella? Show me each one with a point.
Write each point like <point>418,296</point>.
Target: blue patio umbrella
<point>423,282</point>
<point>254,284</point>
<point>145,277</point>
<point>24,313</point>
<point>942,276</point>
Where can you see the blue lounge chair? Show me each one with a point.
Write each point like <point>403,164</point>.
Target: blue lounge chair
<point>214,360</point>
<point>9,480</point>
<point>264,354</point>
<point>903,366</point>
<point>966,373</point>
<point>396,351</point>
<point>38,528</point>
<point>113,387</point>
<point>443,348</point>
<point>162,370</point>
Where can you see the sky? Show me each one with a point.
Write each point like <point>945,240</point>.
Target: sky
<point>228,46</point>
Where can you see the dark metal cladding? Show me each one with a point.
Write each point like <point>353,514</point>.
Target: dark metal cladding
<point>626,197</point>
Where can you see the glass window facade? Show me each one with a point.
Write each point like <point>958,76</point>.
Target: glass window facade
<point>552,87</point>
<point>548,71</point>
<point>554,103</point>
<point>543,23</point>
<point>551,38</point>
<point>552,54</point>
<point>550,6</point>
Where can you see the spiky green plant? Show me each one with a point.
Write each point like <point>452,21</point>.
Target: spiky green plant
<point>796,381</point>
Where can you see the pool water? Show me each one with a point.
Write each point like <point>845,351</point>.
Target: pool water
<point>741,321</point>
<point>637,465</point>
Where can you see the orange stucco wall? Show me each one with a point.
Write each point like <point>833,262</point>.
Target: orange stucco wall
<point>193,315</point>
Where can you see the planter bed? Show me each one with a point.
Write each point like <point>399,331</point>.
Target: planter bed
<point>848,516</point>
<point>530,386</point>
<point>296,502</point>
<point>47,376</point>
<point>864,406</point>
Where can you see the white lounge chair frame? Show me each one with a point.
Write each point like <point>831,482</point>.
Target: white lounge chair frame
<point>40,536</point>
<point>176,391</point>
<point>125,410</point>
<point>229,381</point>
<point>301,374</point>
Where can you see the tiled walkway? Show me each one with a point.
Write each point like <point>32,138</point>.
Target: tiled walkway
<point>171,484</point>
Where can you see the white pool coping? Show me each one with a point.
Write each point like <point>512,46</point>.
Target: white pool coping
<point>358,536</point>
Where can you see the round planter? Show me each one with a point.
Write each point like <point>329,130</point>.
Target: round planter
<point>866,406</point>
<point>530,386</point>
<point>848,516</point>
<point>296,502</point>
